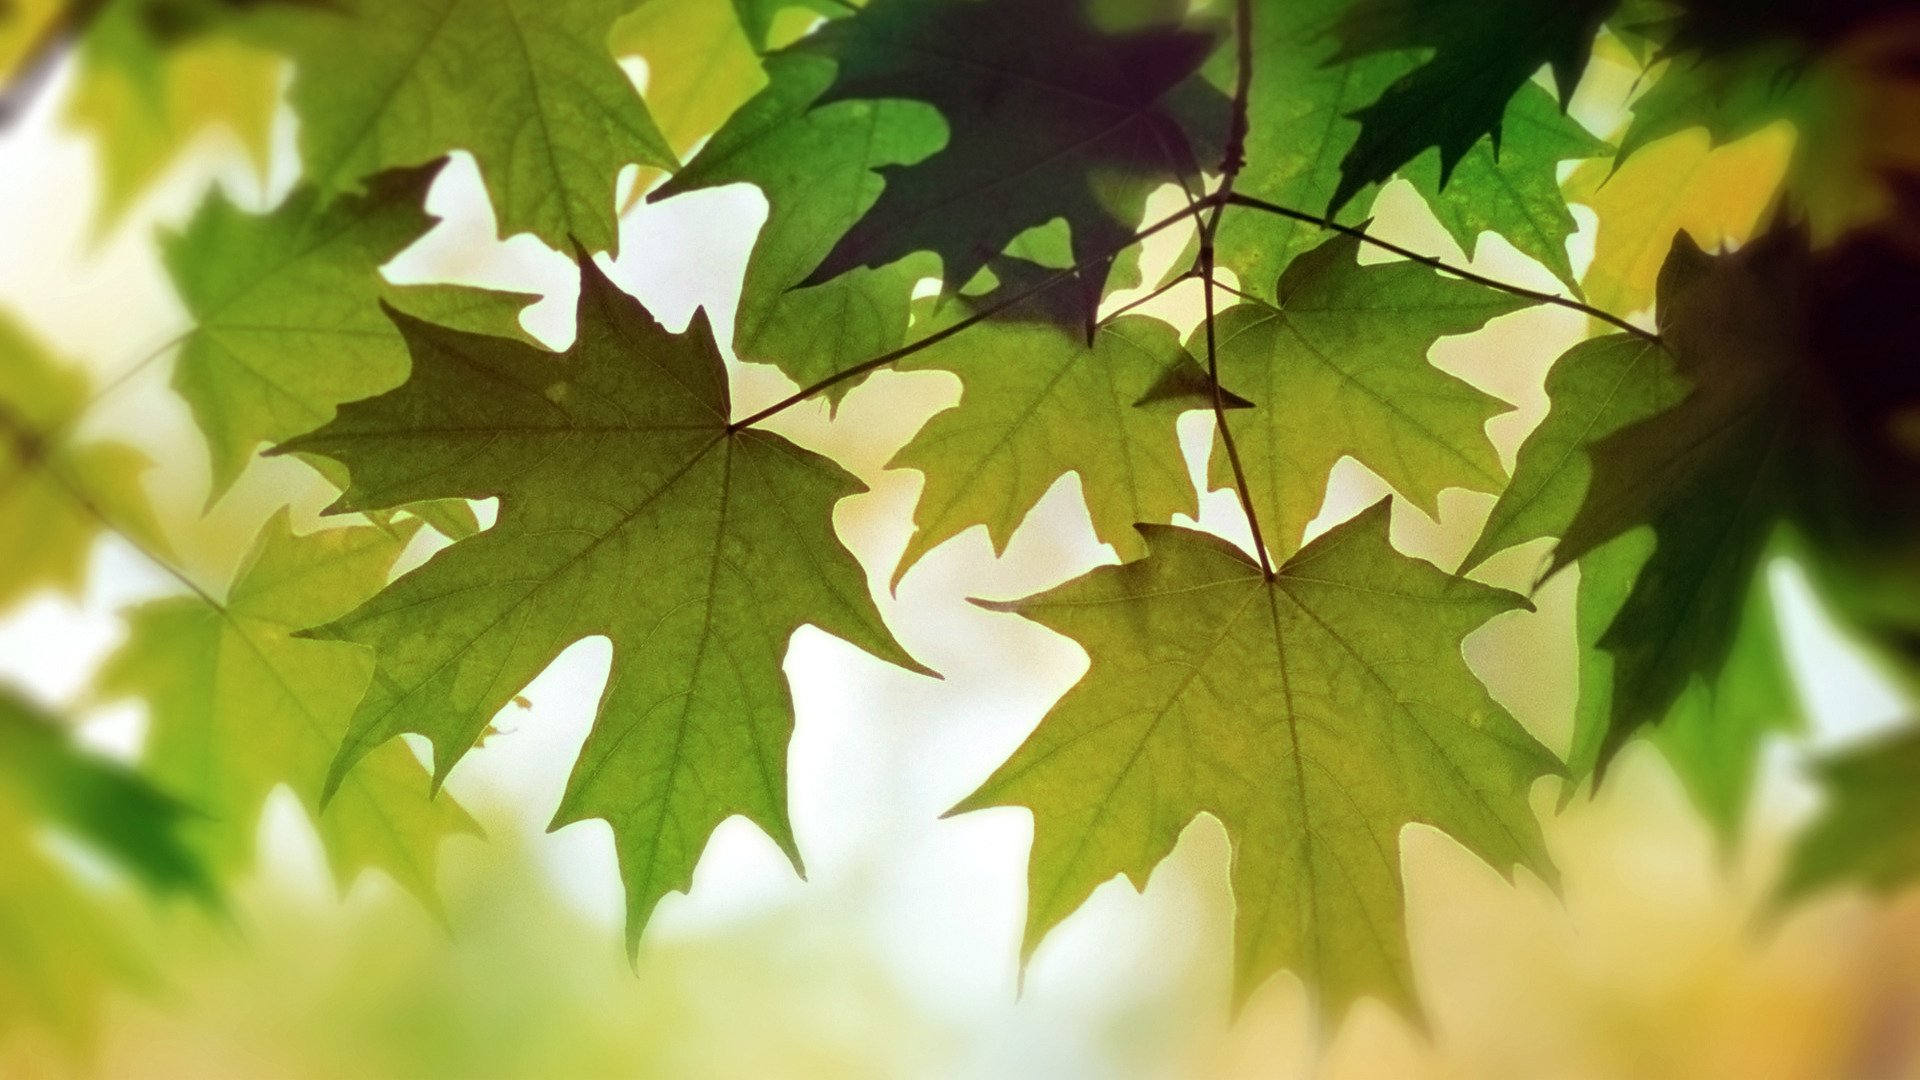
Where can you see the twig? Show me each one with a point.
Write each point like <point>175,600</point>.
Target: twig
<point>1231,163</point>
<point>1163,289</point>
<point>32,447</point>
<point>1251,203</point>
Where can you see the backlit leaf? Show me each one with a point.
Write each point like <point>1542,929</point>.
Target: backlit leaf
<point>1338,366</point>
<point>529,87</point>
<point>238,706</point>
<point>1315,714</point>
<point>630,509</point>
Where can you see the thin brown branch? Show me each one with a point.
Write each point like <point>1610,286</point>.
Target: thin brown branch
<point>127,373</point>
<point>34,448</point>
<point>1231,163</point>
<point>1251,203</point>
<point>1241,293</point>
<point>1163,289</point>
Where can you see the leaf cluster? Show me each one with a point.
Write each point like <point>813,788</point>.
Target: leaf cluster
<point>1308,690</point>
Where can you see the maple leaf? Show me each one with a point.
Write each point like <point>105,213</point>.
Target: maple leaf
<point>1772,398</point>
<point>1597,389</point>
<point>1338,366</point>
<point>628,508</point>
<point>1713,733</point>
<point>1647,434</point>
<point>530,88</point>
<point>59,488</point>
<point>816,164</point>
<point>1483,52</point>
<point>1315,715</point>
<point>1299,107</point>
<point>238,705</point>
<point>1040,401</point>
<point>1514,191</point>
<point>1723,445</point>
<point>1718,195</point>
<point>286,320</point>
<point>1047,117</point>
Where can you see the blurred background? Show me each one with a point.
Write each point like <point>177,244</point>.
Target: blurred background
<point>897,956</point>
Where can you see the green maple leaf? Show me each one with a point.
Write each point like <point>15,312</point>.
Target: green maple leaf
<point>1713,730</point>
<point>1298,126</point>
<point>816,164</point>
<point>1598,388</point>
<point>1299,108</point>
<point>238,705</point>
<point>59,488</point>
<point>1862,835</point>
<point>1713,733</point>
<point>628,508</point>
<point>1338,366</point>
<point>1482,53</point>
<point>1723,446</point>
<point>1730,98</point>
<point>287,323</point>
<point>1040,401</point>
<point>529,87</point>
<point>1047,117</point>
<point>1315,715</point>
<point>1646,435</point>
<point>1515,191</point>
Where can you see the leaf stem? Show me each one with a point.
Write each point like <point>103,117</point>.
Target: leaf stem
<point>1232,161</point>
<point>155,558</point>
<point>32,447</point>
<point>983,314</point>
<point>1159,291</point>
<point>127,374</point>
<point>1251,203</point>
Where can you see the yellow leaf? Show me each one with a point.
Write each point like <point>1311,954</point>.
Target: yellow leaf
<point>1716,194</point>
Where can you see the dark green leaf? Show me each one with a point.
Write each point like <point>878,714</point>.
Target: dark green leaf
<point>1047,117</point>
<point>1482,53</point>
